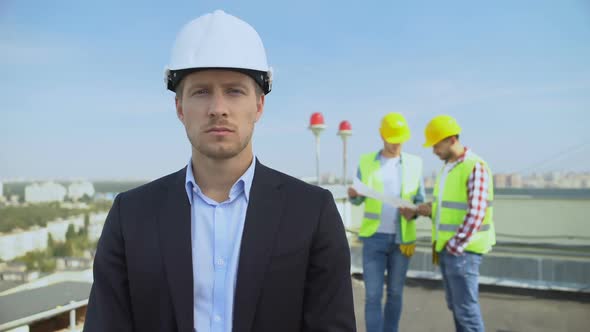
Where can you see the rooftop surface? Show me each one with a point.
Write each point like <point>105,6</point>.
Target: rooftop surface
<point>503,309</point>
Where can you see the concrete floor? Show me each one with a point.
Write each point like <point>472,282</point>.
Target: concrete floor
<point>504,310</point>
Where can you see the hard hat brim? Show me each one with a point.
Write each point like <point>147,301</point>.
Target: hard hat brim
<point>396,139</point>
<point>260,77</point>
<point>431,144</point>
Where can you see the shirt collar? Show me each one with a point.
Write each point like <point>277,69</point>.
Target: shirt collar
<point>244,183</point>
<point>466,153</point>
<point>379,156</point>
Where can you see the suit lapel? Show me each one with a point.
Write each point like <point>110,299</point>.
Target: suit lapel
<point>262,220</point>
<point>174,223</point>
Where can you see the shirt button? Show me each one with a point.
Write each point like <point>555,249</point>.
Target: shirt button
<point>217,318</point>
<point>220,262</point>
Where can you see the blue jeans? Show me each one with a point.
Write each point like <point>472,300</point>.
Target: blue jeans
<point>380,254</point>
<point>460,274</point>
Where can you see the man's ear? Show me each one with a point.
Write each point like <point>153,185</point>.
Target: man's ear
<point>179,110</point>
<point>260,107</point>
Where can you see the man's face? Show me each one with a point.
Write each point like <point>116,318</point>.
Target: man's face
<point>443,148</point>
<point>393,149</point>
<point>219,109</point>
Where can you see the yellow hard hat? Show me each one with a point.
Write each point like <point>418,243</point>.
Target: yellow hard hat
<point>439,128</point>
<point>394,128</point>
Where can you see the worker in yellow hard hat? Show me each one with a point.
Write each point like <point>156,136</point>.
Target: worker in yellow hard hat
<point>388,234</point>
<point>462,216</point>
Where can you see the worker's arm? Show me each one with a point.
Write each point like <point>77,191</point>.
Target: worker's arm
<point>328,302</point>
<point>353,196</point>
<point>109,307</point>
<point>477,193</point>
<point>413,213</point>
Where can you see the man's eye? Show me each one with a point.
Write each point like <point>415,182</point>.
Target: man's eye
<point>200,92</point>
<point>234,91</point>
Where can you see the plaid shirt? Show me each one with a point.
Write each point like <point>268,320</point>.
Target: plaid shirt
<point>477,191</point>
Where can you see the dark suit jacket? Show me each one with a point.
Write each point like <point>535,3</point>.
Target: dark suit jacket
<point>293,272</point>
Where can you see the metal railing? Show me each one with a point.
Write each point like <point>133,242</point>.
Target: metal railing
<point>71,307</point>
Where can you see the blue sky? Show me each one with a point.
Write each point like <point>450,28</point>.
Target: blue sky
<point>82,91</point>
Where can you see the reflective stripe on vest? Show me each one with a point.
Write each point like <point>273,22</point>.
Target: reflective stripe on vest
<point>459,205</point>
<point>370,215</point>
<point>455,227</point>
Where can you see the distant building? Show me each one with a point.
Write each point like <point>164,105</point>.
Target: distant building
<point>515,181</point>
<point>16,272</point>
<point>45,192</point>
<point>501,181</point>
<point>105,196</point>
<point>15,267</point>
<point>73,263</point>
<point>553,176</point>
<point>77,190</point>
<point>19,242</point>
<point>58,228</point>
<point>96,225</point>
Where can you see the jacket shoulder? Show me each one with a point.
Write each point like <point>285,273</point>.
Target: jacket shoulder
<point>153,188</point>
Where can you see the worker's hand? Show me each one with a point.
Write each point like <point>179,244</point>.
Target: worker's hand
<point>408,213</point>
<point>408,250</point>
<point>450,251</point>
<point>352,193</point>
<point>425,209</point>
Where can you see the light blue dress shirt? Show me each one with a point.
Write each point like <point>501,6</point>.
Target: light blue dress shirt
<point>391,176</point>
<point>216,234</point>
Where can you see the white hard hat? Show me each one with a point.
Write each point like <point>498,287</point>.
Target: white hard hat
<point>218,40</point>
